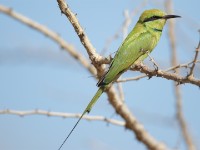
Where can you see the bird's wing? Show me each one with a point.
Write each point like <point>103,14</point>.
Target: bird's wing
<point>131,49</point>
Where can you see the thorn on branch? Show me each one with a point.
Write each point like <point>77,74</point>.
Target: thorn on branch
<point>179,83</point>
<point>106,120</point>
<point>7,111</point>
<point>36,110</point>
<point>149,76</point>
<point>10,10</point>
<point>48,113</point>
<point>21,115</point>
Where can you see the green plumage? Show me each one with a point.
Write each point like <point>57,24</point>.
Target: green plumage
<point>140,41</point>
<point>144,37</point>
<point>94,99</point>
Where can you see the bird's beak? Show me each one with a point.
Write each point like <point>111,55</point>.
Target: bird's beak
<point>170,16</point>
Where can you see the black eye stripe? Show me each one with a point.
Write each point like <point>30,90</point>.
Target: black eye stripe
<point>152,18</point>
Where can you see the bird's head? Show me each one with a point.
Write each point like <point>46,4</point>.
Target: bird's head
<point>155,18</point>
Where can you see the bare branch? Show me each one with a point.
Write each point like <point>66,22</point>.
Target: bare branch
<point>132,123</point>
<point>186,65</point>
<point>131,78</point>
<point>124,32</point>
<point>96,59</point>
<point>120,89</point>
<point>51,34</point>
<point>179,111</point>
<point>195,57</point>
<point>61,114</point>
<point>170,76</point>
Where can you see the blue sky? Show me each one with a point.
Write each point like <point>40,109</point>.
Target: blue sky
<point>36,74</point>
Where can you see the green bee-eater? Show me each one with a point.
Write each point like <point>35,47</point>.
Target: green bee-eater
<point>135,48</point>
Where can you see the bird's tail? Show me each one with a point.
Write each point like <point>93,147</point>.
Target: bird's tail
<point>87,110</point>
<point>94,99</point>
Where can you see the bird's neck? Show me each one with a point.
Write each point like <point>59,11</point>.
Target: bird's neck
<point>153,28</point>
<point>156,31</point>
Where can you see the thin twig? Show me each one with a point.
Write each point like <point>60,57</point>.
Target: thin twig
<point>179,111</point>
<point>153,61</point>
<point>120,89</point>
<point>170,76</point>
<point>195,57</point>
<point>132,78</point>
<point>124,32</point>
<point>186,65</point>
<point>60,114</point>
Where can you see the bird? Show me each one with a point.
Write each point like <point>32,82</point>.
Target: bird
<point>134,49</point>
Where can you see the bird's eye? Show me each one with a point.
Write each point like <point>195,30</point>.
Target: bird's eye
<point>152,18</point>
<point>155,17</point>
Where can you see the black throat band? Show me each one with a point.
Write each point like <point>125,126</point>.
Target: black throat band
<point>157,30</point>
